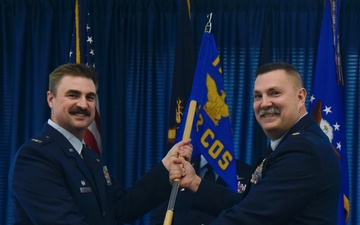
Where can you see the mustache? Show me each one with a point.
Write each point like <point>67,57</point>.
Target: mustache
<point>271,110</point>
<point>80,111</point>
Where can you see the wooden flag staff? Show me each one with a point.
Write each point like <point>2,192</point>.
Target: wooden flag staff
<point>175,187</point>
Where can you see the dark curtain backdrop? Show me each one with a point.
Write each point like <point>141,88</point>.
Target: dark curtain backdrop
<point>135,49</point>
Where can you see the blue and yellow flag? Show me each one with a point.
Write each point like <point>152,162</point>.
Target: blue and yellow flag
<point>326,100</point>
<point>211,132</point>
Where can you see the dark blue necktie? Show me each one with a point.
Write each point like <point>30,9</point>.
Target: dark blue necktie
<point>268,150</point>
<point>86,158</point>
<point>209,174</point>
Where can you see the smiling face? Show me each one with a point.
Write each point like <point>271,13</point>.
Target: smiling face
<point>73,105</point>
<point>279,101</point>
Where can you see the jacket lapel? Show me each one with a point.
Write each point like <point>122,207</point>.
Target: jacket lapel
<point>70,152</point>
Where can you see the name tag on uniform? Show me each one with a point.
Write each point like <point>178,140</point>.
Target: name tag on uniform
<point>85,190</point>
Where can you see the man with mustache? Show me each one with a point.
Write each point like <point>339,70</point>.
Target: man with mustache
<point>56,179</point>
<point>297,181</point>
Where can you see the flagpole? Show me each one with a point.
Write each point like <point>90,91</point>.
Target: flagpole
<point>186,135</point>
<point>175,187</point>
<point>77,32</point>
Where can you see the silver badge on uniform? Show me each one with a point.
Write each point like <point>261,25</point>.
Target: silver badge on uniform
<point>85,190</point>
<point>107,175</point>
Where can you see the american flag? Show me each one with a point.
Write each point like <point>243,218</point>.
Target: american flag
<point>326,100</point>
<point>82,51</point>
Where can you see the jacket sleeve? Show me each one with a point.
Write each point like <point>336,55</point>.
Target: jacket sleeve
<point>148,192</point>
<point>290,181</point>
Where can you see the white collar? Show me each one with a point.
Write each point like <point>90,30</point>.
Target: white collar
<point>275,143</point>
<point>74,141</point>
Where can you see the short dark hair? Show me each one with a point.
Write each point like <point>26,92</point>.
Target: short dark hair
<point>290,69</point>
<point>71,69</point>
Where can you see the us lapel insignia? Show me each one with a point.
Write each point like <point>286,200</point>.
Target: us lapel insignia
<point>107,175</point>
<point>257,174</point>
<point>296,133</point>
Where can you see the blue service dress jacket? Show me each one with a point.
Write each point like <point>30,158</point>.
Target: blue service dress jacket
<point>51,184</point>
<point>299,185</point>
<point>184,213</point>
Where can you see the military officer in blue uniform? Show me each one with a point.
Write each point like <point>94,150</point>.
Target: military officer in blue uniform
<point>298,182</point>
<point>56,179</point>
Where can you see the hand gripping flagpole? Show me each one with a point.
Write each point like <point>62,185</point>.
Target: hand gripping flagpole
<point>186,135</point>
<point>175,187</point>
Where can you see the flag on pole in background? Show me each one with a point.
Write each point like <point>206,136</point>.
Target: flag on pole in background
<point>82,51</point>
<point>184,69</point>
<point>211,132</point>
<point>326,100</point>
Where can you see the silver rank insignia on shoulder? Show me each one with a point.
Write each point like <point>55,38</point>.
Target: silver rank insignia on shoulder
<point>36,140</point>
<point>107,176</point>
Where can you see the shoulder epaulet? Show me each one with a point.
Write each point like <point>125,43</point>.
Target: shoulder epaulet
<point>40,140</point>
